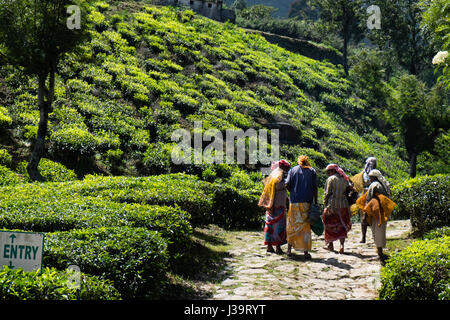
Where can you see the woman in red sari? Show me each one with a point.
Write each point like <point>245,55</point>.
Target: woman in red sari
<point>274,199</point>
<point>336,215</point>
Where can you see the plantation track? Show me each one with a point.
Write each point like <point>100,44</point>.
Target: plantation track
<point>255,274</point>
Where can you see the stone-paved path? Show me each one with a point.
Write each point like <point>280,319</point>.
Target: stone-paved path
<point>256,274</point>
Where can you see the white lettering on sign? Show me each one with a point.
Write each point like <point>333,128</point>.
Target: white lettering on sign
<point>21,250</point>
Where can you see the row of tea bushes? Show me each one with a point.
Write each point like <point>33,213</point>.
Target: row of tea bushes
<point>425,200</point>
<point>421,271</point>
<point>134,259</point>
<point>127,230</point>
<point>64,214</point>
<point>52,284</point>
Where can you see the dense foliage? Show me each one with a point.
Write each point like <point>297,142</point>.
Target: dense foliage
<point>425,200</point>
<point>135,259</point>
<point>115,204</point>
<point>51,284</point>
<point>418,272</point>
<point>145,74</point>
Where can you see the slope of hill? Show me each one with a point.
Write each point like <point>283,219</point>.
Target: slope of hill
<point>150,70</point>
<point>146,72</point>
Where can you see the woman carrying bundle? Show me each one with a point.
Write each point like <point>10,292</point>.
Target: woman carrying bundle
<point>378,206</point>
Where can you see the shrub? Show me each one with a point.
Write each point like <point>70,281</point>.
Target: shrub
<point>134,259</point>
<point>421,271</point>
<point>65,213</point>
<point>52,171</point>
<point>52,284</point>
<point>5,119</point>
<point>425,200</point>
<point>5,158</point>
<point>74,140</point>
<point>8,177</point>
<point>437,233</point>
<point>235,208</point>
<point>157,158</point>
<point>185,191</point>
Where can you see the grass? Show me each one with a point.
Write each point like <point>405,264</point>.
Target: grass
<point>398,244</point>
<point>202,267</point>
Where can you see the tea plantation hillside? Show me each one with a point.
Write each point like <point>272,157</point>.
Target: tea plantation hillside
<point>150,70</point>
<point>114,203</point>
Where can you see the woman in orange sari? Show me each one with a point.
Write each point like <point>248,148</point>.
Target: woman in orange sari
<point>273,199</point>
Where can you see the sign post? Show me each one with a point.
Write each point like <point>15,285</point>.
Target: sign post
<point>21,250</point>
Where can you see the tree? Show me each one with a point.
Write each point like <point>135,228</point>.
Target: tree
<point>257,13</point>
<point>239,5</point>
<point>301,9</point>
<point>344,16</point>
<point>418,115</point>
<point>436,19</point>
<point>34,36</point>
<point>401,31</point>
<point>367,75</point>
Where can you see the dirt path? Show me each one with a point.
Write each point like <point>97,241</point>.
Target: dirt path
<point>256,274</point>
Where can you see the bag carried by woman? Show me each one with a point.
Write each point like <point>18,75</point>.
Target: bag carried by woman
<point>315,219</point>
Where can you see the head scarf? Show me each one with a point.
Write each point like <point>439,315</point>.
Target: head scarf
<point>371,163</point>
<point>338,170</point>
<point>280,164</point>
<point>377,174</point>
<point>303,161</point>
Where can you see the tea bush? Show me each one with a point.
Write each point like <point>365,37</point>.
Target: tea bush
<point>5,119</point>
<point>5,158</point>
<point>9,177</point>
<point>421,271</point>
<point>63,214</point>
<point>52,284</point>
<point>236,208</point>
<point>134,259</point>
<point>50,170</point>
<point>437,233</point>
<point>425,200</point>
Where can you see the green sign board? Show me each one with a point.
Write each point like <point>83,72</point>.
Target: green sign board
<point>21,250</point>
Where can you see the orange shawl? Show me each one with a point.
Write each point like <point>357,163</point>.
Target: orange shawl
<point>380,207</point>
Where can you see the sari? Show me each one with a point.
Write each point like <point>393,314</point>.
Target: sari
<point>298,227</point>
<point>273,199</point>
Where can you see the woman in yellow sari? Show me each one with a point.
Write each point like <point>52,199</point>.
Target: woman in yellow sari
<point>273,199</point>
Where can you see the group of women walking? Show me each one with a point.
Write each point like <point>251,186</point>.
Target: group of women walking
<point>301,182</point>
